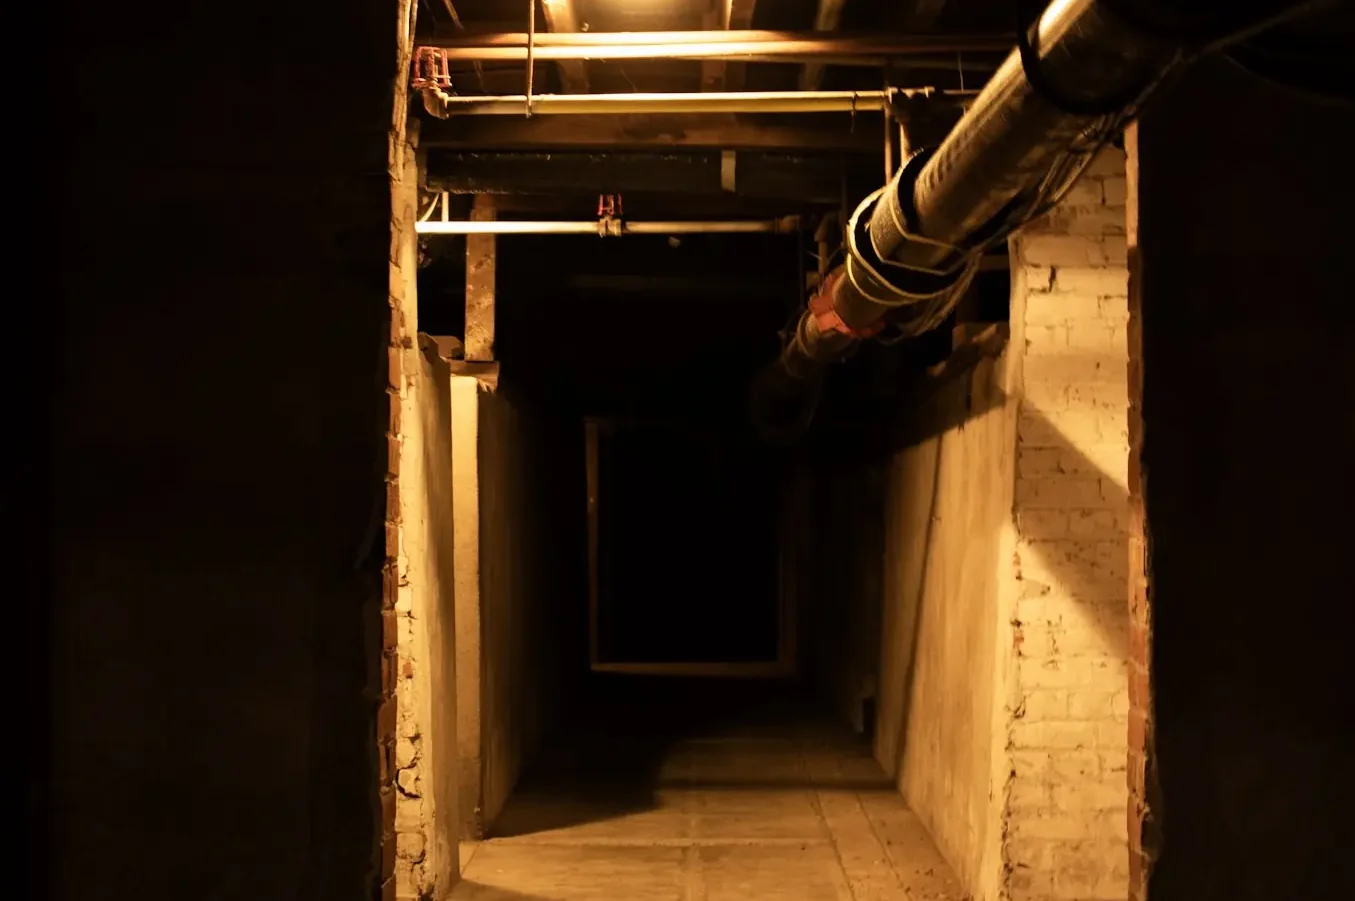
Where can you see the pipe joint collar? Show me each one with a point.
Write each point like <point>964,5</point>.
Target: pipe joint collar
<point>873,287</point>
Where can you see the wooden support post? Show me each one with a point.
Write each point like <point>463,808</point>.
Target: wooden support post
<point>481,254</point>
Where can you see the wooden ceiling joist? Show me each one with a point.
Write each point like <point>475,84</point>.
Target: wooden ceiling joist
<point>562,17</point>
<point>844,133</point>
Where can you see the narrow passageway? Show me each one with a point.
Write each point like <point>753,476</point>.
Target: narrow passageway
<point>694,789</point>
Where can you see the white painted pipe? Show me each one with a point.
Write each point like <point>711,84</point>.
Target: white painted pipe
<point>694,102</point>
<point>612,228</point>
<point>706,45</point>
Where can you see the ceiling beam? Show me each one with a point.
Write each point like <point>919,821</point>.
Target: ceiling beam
<point>561,16</point>
<point>448,8</point>
<point>842,133</point>
<point>921,13</point>
<point>827,17</point>
<point>648,205</point>
<point>789,177</point>
<point>741,44</point>
<point>713,70</point>
<point>738,17</point>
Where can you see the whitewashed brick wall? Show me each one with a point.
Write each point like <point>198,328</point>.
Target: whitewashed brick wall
<point>1065,821</point>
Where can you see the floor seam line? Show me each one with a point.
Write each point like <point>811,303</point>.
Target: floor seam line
<point>879,841</point>
<point>818,811</point>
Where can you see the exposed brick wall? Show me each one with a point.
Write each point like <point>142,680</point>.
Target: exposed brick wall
<point>1065,807</point>
<point>424,690</point>
<point>1142,841</point>
<point>395,755</point>
<point>388,718</point>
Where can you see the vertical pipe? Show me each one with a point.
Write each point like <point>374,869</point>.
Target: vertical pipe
<point>531,52</point>
<point>889,147</point>
<point>889,126</point>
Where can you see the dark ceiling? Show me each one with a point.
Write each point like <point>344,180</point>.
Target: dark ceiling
<point>794,163</point>
<point>867,16</point>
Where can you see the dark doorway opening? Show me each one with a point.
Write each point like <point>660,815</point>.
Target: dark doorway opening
<point>686,552</point>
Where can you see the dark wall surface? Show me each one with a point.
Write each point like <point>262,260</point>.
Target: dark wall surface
<point>217,452</point>
<point>640,327</point>
<point>1249,438</point>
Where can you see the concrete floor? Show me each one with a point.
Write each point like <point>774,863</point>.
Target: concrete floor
<point>649,802</point>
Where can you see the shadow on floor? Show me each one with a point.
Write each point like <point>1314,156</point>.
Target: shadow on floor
<point>630,742</point>
<point>693,790</point>
<point>470,890</point>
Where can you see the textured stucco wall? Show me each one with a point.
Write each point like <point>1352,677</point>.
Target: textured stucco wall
<point>946,561</point>
<point>1003,689</point>
<point>518,581</point>
<point>463,392</point>
<point>425,763</point>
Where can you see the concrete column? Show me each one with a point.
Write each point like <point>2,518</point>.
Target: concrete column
<point>504,660</point>
<point>465,406</point>
<point>519,602</point>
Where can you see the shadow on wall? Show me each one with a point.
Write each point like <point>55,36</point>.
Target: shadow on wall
<point>523,603</point>
<point>1006,546</point>
<point>578,779</point>
<point>850,522</point>
<point>1078,553</point>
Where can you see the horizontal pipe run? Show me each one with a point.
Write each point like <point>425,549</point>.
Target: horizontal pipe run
<point>1000,42</point>
<point>706,45</point>
<point>694,103</point>
<point>612,228</point>
<point>946,62</point>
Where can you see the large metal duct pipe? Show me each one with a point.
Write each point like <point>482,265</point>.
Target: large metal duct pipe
<point>1077,77</point>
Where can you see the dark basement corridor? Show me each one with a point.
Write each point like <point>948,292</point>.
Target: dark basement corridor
<point>703,790</point>
<point>651,783</point>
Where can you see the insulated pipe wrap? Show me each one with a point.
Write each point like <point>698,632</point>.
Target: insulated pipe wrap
<point>913,246</point>
<point>1078,75</point>
<point>876,285</point>
<point>1015,133</point>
